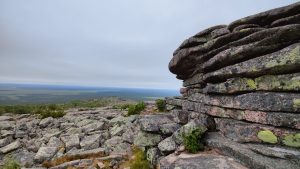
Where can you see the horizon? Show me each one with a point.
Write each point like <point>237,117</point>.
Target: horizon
<point>84,86</point>
<point>19,94</point>
<point>115,44</point>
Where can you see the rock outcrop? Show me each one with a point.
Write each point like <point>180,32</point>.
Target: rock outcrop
<point>245,78</point>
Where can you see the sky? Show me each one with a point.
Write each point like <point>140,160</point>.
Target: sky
<point>125,43</point>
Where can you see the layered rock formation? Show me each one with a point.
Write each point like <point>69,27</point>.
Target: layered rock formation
<point>245,76</point>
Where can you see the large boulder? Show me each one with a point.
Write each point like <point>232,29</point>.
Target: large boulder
<point>168,145</point>
<point>90,142</point>
<point>46,121</point>
<point>151,123</point>
<point>71,141</point>
<point>45,153</point>
<point>10,147</point>
<point>144,139</point>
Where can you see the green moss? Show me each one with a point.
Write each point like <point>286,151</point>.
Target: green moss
<point>267,136</point>
<point>296,103</point>
<point>292,140</point>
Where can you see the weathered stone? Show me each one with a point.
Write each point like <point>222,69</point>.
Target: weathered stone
<point>168,145</point>
<point>65,126</point>
<point>66,165</point>
<point>93,127</point>
<point>117,130</point>
<point>191,125</point>
<point>90,142</point>
<point>174,101</point>
<point>71,141</point>
<point>250,132</point>
<point>267,17</point>
<point>116,144</point>
<point>288,82</point>
<point>24,158</point>
<point>185,60</point>
<point>130,133</point>
<point>144,139</point>
<point>51,133</point>
<point>151,123</point>
<point>180,116</point>
<point>249,155</point>
<point>199,161</point>
<point>6,118</point>
<point>97,152</point>
<point>295,19</point>
<point>5,141</point>
<point>278,37</point>
<point>286,60</point>
<point>45,153</point>
<point>7,125</point>
<point>74,130</point>
<point>272,118</point>
<point>84,122</point>
<point>200,38</point>
<point>153,155</point>
<point>45,122</point>
<point>169,129</point>
<point>119,120</point>
<point>196,79</point>
<point>10,147</point>
<point>269,101</point>
<point>183,91</point>
<point>245,26</point>
<point>55,142</point>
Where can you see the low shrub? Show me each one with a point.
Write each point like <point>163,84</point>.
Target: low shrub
<point>192,140</point>
<point>136,109</point>
<point>139,160</point>
<point>160,104</point>
<point>92,103</point>
<point>10,163</point>
<point>121,106</point>
<point>54,111</point>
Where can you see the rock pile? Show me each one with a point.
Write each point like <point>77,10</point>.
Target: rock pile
<point>245,76</point>
<point>81,139</point>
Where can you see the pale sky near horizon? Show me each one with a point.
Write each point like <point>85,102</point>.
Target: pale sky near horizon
<point>125,43</point>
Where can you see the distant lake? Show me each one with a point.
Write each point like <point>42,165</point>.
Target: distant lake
<point>32,94</point>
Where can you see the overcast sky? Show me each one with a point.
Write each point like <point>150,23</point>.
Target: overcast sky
<point>124,43</point>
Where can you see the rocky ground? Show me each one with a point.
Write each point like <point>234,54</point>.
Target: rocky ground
<point>100,133</point>
<point>104,137</point>
<point>98,138</point>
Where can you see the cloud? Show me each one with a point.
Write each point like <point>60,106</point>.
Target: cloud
<point>106,43</point>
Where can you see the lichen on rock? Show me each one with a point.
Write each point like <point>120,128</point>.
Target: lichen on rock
<point>267,136</point>
<point>292,140</point>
